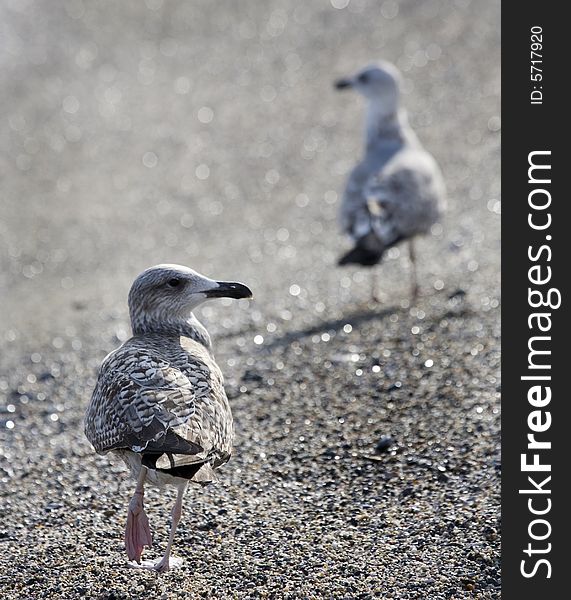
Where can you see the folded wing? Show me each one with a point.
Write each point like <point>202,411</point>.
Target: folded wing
<point>143,403</point>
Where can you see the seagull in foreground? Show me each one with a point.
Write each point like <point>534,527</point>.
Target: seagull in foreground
<point>396,192</point>
<point>159,402</point>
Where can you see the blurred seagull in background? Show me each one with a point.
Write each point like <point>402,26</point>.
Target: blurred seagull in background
<point>159,401</point>
<point>396,192</point>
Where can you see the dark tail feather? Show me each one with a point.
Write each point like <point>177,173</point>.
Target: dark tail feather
<point>360,256</point>
<point>173,443</point>
<point>366,256</point>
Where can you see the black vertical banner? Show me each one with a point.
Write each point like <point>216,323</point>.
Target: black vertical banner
<point>536,261</point>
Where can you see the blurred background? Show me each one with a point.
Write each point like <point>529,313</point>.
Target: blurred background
<point>208,133</point>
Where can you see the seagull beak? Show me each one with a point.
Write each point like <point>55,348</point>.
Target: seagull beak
<point>229,289</point>
<point>343,84</point>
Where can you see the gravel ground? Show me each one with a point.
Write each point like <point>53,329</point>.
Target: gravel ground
<point>207,133</point>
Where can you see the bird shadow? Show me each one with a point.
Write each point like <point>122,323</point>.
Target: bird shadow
<point>363,314</point>
<point>355,318</point>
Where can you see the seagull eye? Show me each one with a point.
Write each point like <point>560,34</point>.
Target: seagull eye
<point>363,78</point>
<point>174,282</point>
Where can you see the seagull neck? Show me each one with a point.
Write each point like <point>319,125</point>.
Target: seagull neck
<point>191,327</point>
<point>383,128</point>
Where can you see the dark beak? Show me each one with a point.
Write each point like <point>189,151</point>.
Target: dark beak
<point>343,84</point>
<point>229,289</point>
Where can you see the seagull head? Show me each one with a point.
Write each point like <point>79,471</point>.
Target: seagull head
<point>169,293</point>
<point>378,83</point>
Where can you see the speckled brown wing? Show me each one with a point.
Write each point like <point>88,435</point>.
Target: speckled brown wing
<point>141,402</point>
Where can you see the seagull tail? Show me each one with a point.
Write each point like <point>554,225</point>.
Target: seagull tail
<point>368,251</point>
<point>360,255</point>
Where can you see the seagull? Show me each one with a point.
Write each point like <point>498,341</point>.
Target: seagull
<point>159,401</point>
<point>396,191</point>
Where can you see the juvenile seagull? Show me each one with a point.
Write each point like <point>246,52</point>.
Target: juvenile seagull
<point>395,193</point>
<point>159,402</point>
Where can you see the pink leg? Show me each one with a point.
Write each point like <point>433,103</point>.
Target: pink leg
<point>137,532</point>
<point>163,565</point>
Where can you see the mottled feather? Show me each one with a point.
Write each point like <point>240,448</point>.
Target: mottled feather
<point>161,394</point>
